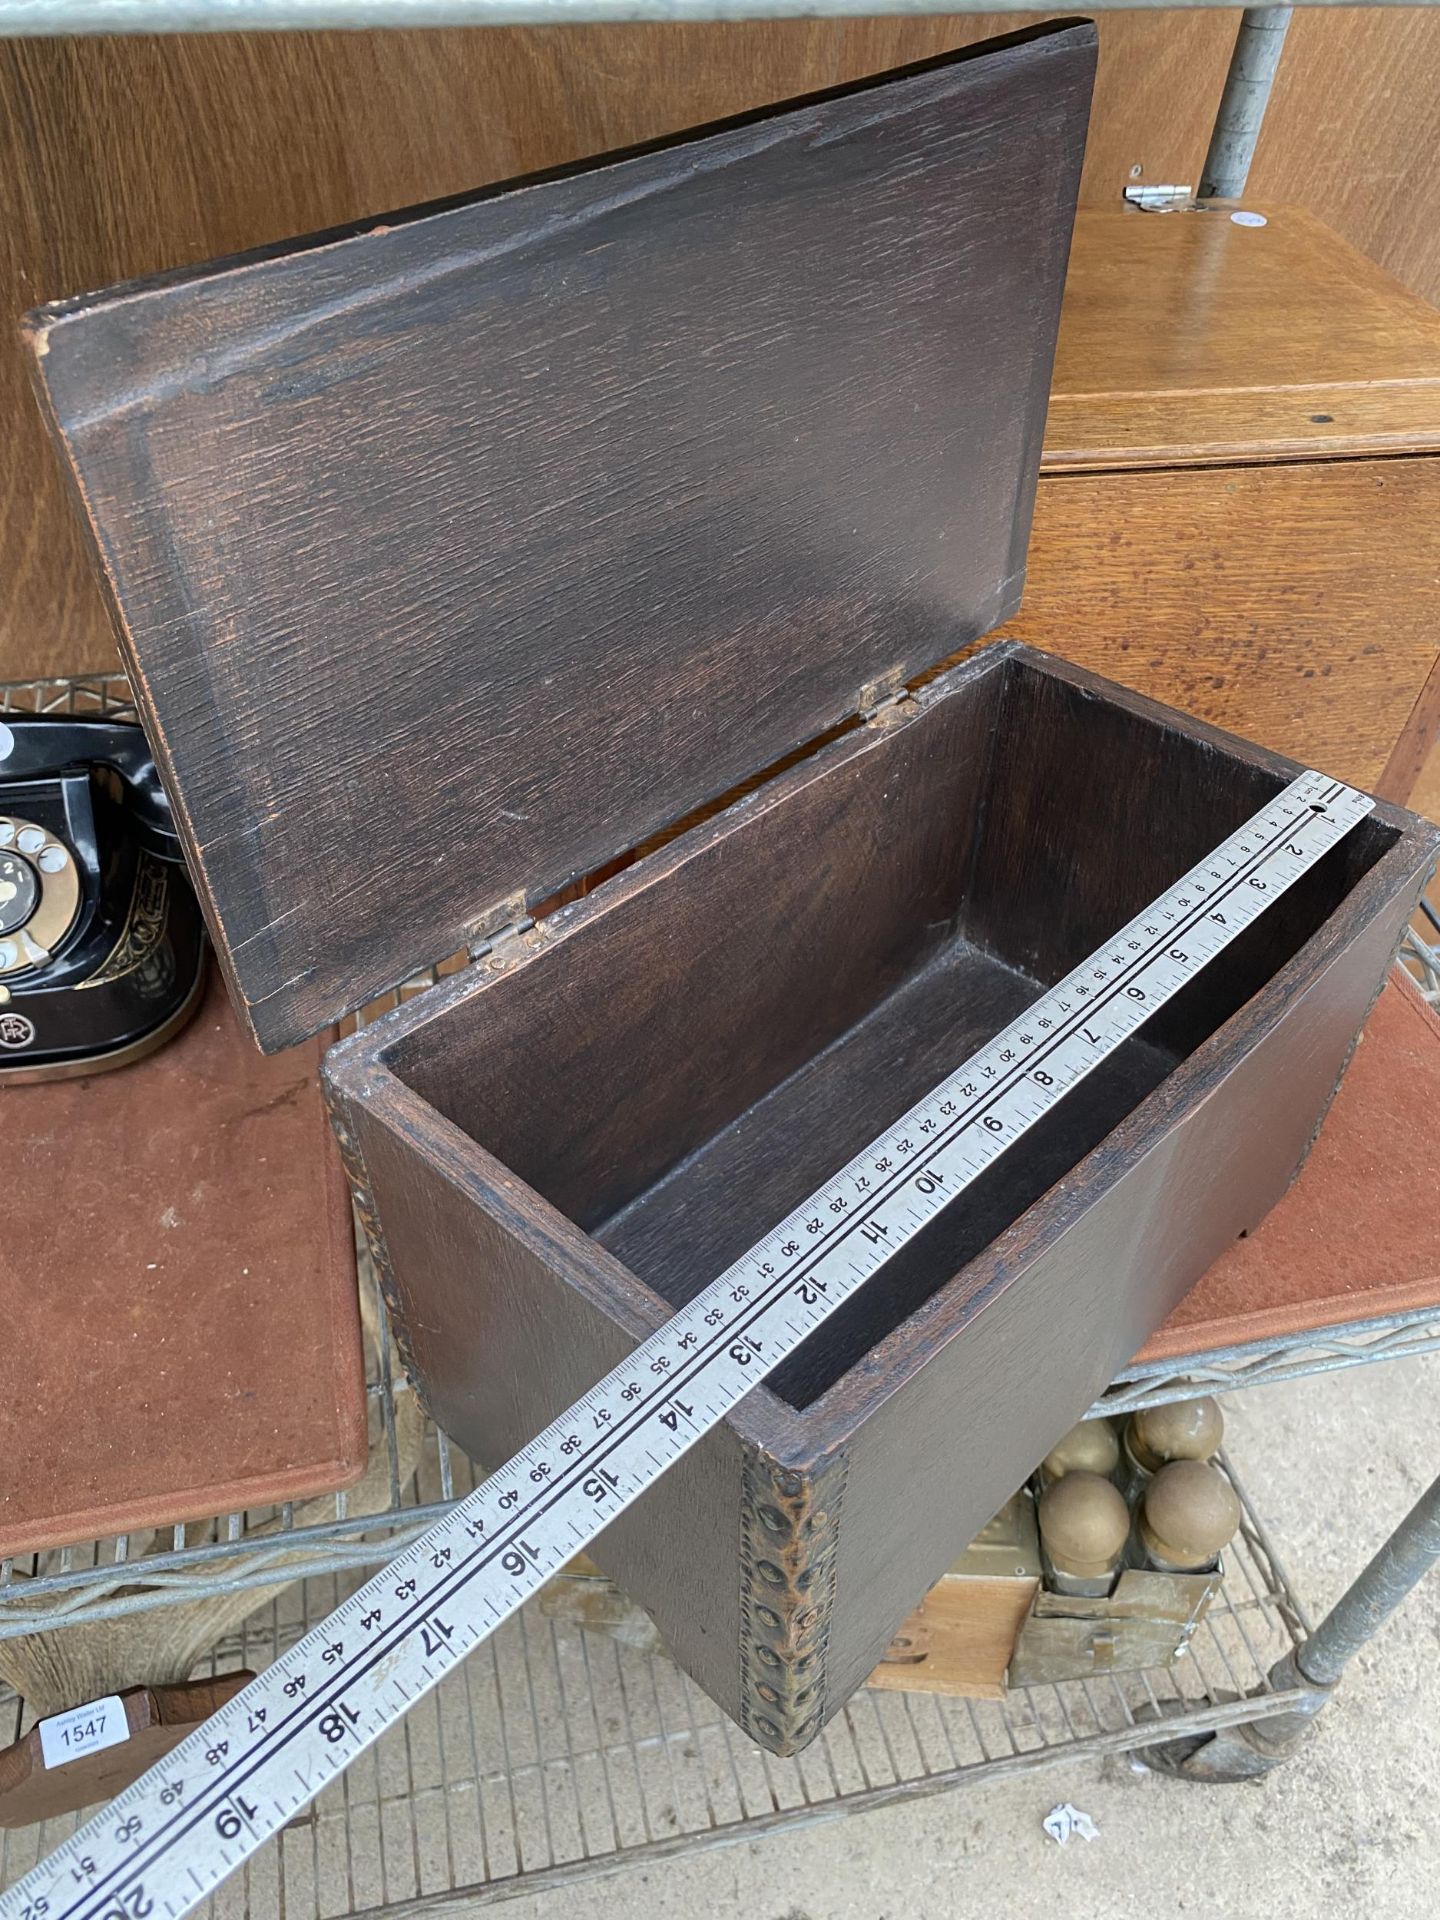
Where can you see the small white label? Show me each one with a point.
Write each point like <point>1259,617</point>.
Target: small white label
<point>1244,219</point>
<point>65,1736</point>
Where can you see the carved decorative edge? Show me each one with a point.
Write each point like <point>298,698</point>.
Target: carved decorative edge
<point>363,1200</point>
<point>789,1534</point>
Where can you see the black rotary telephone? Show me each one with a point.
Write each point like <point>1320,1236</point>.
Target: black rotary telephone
<point>102,949</point>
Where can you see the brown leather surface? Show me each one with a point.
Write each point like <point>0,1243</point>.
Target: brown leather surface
<point>1358,1235</point>
<point>179,1327</point>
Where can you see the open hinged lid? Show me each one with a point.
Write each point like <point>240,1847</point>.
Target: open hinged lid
<point>456,555</point>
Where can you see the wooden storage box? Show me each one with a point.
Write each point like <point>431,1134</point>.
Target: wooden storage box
<point>564,1142</point>
<point>459,556</point>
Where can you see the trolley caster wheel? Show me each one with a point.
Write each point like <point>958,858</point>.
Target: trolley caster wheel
<point>1246,1752</point>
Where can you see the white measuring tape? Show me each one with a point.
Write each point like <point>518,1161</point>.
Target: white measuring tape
<point>170,1839</point>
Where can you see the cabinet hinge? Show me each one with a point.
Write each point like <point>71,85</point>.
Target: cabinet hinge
<point>892,707</point>
<point>1166,199</point>
<point>507,944</point>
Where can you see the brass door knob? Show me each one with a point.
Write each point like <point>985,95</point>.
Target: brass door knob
<point>1183,1430</point>
<point>1089,1448</point>
<point>1190,1515</point>
<point>1084,1524</point>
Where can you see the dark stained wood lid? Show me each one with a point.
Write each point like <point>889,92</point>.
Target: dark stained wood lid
<point>455,555</point>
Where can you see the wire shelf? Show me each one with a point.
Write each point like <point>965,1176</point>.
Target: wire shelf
<point>556,1753</point>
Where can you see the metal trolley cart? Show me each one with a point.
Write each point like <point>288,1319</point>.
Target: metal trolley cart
<point>557,1754</point>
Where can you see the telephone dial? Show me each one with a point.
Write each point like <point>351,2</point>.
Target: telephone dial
<point>102,948</point>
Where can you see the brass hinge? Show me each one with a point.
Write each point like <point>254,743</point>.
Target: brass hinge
<point>881,712</point>
<point>501,949</point>
<point>883,691</point>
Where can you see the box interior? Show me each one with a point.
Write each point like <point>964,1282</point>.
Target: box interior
<point>686,1067</point>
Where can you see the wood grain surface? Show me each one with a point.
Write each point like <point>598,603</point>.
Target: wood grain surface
<point>959,1640</point>
<point>1186,339</point>
<point>546,516</point>
<point>1295,604</point>
<point>1425,794</point>
<point>1408,775</point>
<point>130,156</point>
<point>761,973</point>
<point>1353,130</point>
<point>158,1719</point>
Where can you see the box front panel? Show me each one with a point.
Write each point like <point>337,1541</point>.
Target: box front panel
<point>977,1413</point>
<point>499,1342</point>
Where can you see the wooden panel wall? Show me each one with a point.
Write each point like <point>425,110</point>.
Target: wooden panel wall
<point>1353,133</point>
<point>121,157</point>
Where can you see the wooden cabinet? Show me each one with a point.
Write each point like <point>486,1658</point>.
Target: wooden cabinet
<point>1239,504</point>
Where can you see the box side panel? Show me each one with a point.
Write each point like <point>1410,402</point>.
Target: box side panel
<point>1099,801</point>
<point>1096,806</point>
<point>498,1344</point>
<point>945,1451</point>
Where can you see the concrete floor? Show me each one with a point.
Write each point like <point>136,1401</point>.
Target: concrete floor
<point>1351,1827</point>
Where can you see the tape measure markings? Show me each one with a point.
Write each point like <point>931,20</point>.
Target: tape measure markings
<point>694,1343</point>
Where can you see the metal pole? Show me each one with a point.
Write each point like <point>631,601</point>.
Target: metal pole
<point>1315,1666</point>
<point>1258,46</point>
<point>1368,1603</point>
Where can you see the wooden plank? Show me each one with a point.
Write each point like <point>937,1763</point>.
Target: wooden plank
<point>1353,130</point>
<point>1293,604</point>
<point>1425,798</point>
<point>129,156</point>
<point>546,516</point>
<point>1140,429</point>
<point>959,1640</point>
<point>157,1718</point>
<point>1406,778</point>
<point>1186,338</point>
